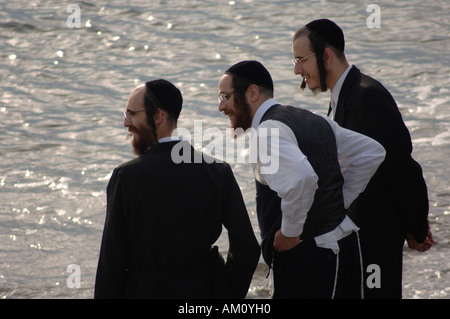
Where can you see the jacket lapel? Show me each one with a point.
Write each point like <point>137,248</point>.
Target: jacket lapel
<point>352,75</point>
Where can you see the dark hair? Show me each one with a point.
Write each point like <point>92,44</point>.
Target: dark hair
<point>318,45</point>
<point>150,104</point>
<point>240,86</point>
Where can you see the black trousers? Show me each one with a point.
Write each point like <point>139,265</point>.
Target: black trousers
<point>309,272</point>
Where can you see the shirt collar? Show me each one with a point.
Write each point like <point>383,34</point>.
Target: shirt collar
<point>262,109</point>
<point>169,139</point>
<point>338,86</point>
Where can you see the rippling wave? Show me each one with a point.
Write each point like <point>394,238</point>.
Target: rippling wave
<point>63,91</point>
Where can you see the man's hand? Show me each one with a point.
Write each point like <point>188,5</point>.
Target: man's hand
<point>282,243</point>
<point>413,244</point>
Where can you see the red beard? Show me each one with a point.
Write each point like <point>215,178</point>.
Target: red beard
<point>241,117</point>
<point>142,140</point>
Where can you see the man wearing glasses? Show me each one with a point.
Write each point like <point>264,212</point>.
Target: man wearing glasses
<point>394,205</point>
<point>163,217</point>
<point>307,238</point>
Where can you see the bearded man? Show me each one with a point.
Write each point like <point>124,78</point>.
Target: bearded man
<point>307,237</point>
<point>163,217</point>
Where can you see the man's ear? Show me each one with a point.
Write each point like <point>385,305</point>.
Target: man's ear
<point>160,116</point>
<point>252,93</point>
<point>328,57</point>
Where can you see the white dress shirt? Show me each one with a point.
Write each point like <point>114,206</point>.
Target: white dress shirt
<point>296,182</point>
<point>336,90</point>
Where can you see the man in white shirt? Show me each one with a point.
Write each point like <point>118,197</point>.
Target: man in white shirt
<point>307,238</point>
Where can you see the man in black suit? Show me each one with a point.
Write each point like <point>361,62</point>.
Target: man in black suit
<point>394,206</point>
<point>163,215</point>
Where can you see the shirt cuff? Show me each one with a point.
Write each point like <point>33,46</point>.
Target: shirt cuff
<point>291,230</point>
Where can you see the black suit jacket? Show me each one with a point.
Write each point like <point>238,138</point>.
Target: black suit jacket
<point>396,198</point>
<point>161,222</point>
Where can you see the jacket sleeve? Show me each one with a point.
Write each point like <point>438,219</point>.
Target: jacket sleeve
<point>111,270</point>
<point>244,251</point>
<point>384,120</point>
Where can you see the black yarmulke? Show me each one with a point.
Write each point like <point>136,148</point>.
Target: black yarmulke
<point>252,71</point>
<point>168,97</point>
<point>329,31</point>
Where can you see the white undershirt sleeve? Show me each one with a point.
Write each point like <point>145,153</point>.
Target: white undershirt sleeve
<point>285,169</point>
<point>359,157</point>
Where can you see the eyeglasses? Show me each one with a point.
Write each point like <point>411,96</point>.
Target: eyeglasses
<point>129,113</point>
<point>224,97</point>
<point>301,60</point>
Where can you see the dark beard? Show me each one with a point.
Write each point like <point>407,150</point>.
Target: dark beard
<point>141,141</point>
<point>242,117</point>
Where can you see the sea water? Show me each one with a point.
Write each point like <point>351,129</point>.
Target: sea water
<point>66,70</point>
